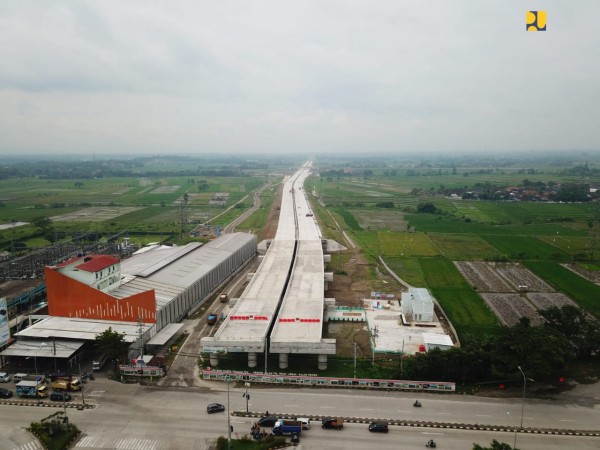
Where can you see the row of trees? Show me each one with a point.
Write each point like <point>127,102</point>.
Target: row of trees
<point>542,351</point>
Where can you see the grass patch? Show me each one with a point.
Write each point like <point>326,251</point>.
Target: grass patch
<point>248,443</point>
<point>465,309</point>
<point>348,218</point>
<point>54,432</point>
<point>526,248</point>
<point>408,269</point>
<point>585,293</point>
<point>463,246</point>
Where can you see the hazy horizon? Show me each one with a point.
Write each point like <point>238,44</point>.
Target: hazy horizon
<point>111,79</point>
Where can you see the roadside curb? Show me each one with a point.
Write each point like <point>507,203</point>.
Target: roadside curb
<point>458,426</point>
<point>79,406</point>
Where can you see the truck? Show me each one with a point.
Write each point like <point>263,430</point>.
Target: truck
<point>333,423</point>
<point>32,389</point>
<point>62,384</point>
<point>283,426</point>
<point>98,363</point>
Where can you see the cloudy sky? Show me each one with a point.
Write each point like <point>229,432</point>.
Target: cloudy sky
<point>344,76</point>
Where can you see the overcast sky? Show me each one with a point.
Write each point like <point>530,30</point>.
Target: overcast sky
<point>344,76</point>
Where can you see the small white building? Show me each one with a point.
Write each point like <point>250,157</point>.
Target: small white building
<point>437,340</point>
<point>417,305</point>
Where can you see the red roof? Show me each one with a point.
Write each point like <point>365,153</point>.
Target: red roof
<point>95,263</point>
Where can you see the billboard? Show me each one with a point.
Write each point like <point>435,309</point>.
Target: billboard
<point>4,328</point>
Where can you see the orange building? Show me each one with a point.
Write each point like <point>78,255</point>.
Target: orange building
<point>80,288</point>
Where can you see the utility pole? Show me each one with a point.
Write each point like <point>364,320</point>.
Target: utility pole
<point>354,359</point>
<point>246,395</point>
<point>374,336</point>
<point>81,380</point>
<point>401,359</point>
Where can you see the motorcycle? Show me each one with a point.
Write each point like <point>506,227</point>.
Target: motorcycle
<point>417,404</point>
<point>431,444</point>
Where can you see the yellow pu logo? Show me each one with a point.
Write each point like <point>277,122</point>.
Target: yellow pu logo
<point>535,21</point>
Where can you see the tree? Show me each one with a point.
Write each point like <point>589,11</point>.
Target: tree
<point>540,350</point>
<point>426,208</point>
<point>45,227</point>
<point>580,329</point>
<point>494,446</point>
<point>111,343</point>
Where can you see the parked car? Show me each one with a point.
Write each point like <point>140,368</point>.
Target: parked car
<point>214,408</point>
<point>5,393</point>
<point>60,396</point>
<point>380,426</point>
<point>211,319</point>
<point>4,377</point>
<point>267,421</point>
<point>333,422</point>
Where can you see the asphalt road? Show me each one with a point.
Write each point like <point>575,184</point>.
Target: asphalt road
<point>129,416</point>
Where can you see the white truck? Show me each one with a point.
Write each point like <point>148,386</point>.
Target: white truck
<point>97,364</point>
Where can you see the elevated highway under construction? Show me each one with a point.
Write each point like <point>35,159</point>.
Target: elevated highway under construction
<point>281,310</point>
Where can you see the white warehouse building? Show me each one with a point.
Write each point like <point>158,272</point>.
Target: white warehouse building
<point>417,305</point>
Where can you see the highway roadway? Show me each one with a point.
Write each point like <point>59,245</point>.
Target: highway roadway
<point>129,416</point>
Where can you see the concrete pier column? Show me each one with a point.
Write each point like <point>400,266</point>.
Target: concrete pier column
<point>322,362</point>
<point>283,360</point>
<point>214,359</point>
<point>252,359</point>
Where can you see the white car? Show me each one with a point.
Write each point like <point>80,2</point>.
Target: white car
<point>4,377</point>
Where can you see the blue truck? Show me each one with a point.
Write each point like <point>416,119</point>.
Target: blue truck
<point>33,389</point>
<point>283,426</point>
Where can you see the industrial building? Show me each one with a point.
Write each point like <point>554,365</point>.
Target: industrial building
<point>144,297</point>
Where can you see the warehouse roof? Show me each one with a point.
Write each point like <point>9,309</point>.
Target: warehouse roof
<point>81,329</point>
<point>171,270</point>
<point>43,349</point>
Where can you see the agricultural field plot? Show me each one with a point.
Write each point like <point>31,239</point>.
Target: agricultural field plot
<point>568,244</point>
<point>123,190</point>
<point>165,190</point>
<point>545,300</point>
<point>591,274</point>
<point>518,276</point>
<point>464,307</point>
<point>483,276</point>
<point>400,244</point>
<point>408,269</point>
<point>463,246</point>
<point>95,214</point>
<point>509,308</point>
<point>526,247</point>
<point>379,219</point>
<point>471,210</point>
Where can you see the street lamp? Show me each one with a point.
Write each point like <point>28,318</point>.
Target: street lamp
<point>228,419</point>
<point>522,403</point>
